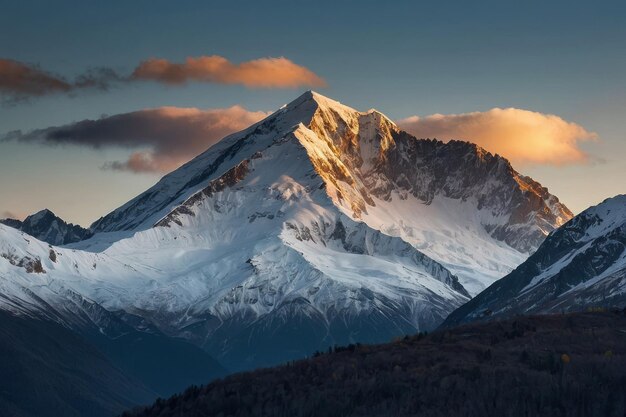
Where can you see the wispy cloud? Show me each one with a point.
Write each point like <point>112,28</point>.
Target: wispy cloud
<point>258,73</point>
<point>18,78</point>
<point>20,81</point>
<point>523,136</point>
<point>164,138</point>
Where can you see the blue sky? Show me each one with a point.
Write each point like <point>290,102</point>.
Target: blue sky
<point>403,58</point>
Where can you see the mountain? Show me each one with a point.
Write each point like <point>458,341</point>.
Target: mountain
<point>319,225</point>
<point>457,203</point>
<point>46,226</point>
<point>547,366</point>
<point>580,265</point>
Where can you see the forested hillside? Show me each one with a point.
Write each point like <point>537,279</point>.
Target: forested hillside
<point>559,365</point>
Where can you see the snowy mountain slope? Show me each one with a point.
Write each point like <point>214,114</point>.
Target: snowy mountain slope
<point>46,226</point>
<point>480,219</point>
<point>582,264</point>
<point>319,225</point>
<point>142,212</point>
<point>39,282</point>
<point>198,271</point>
<point>299,260</point>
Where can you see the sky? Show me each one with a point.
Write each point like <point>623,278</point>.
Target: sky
<point>99,99</point>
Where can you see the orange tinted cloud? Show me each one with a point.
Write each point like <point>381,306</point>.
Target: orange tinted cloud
<point>258,73</point>
<point>17,78</point>
<point>164,137</point>
<point>522,136</point>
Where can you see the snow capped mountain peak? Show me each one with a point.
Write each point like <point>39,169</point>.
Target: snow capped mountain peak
<point>442,198</point>
<point>320,100</point>
<point>320,218</point>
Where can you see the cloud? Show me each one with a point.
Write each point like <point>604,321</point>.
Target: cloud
<point>20,81</point>
<point>164,137</point>
<point>522,136</point>
<point>99,78</point>
<point>258,73</point>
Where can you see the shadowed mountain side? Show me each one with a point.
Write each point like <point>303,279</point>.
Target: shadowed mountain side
<point>48,227</point>
<point>95,369</point>
<point>47,370</point>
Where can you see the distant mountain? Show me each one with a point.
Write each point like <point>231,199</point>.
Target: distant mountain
<point>547,366</point>
<point>580,265</point>
<point>46,226</point>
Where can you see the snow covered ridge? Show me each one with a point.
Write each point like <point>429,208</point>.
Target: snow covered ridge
<point>319,225</point>
<point>580,265</point>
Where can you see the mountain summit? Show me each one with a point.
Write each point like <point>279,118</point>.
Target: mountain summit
<point>319,225</point>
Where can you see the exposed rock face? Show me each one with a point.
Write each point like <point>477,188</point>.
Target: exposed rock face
<point>377,159</point>
<point>46,226</point>
<point>229,179</point>
<point>580,265</point>
<point>29,264</point>
<point>464,171</point>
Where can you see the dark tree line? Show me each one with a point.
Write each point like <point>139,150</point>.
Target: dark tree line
<point>562,365</point>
